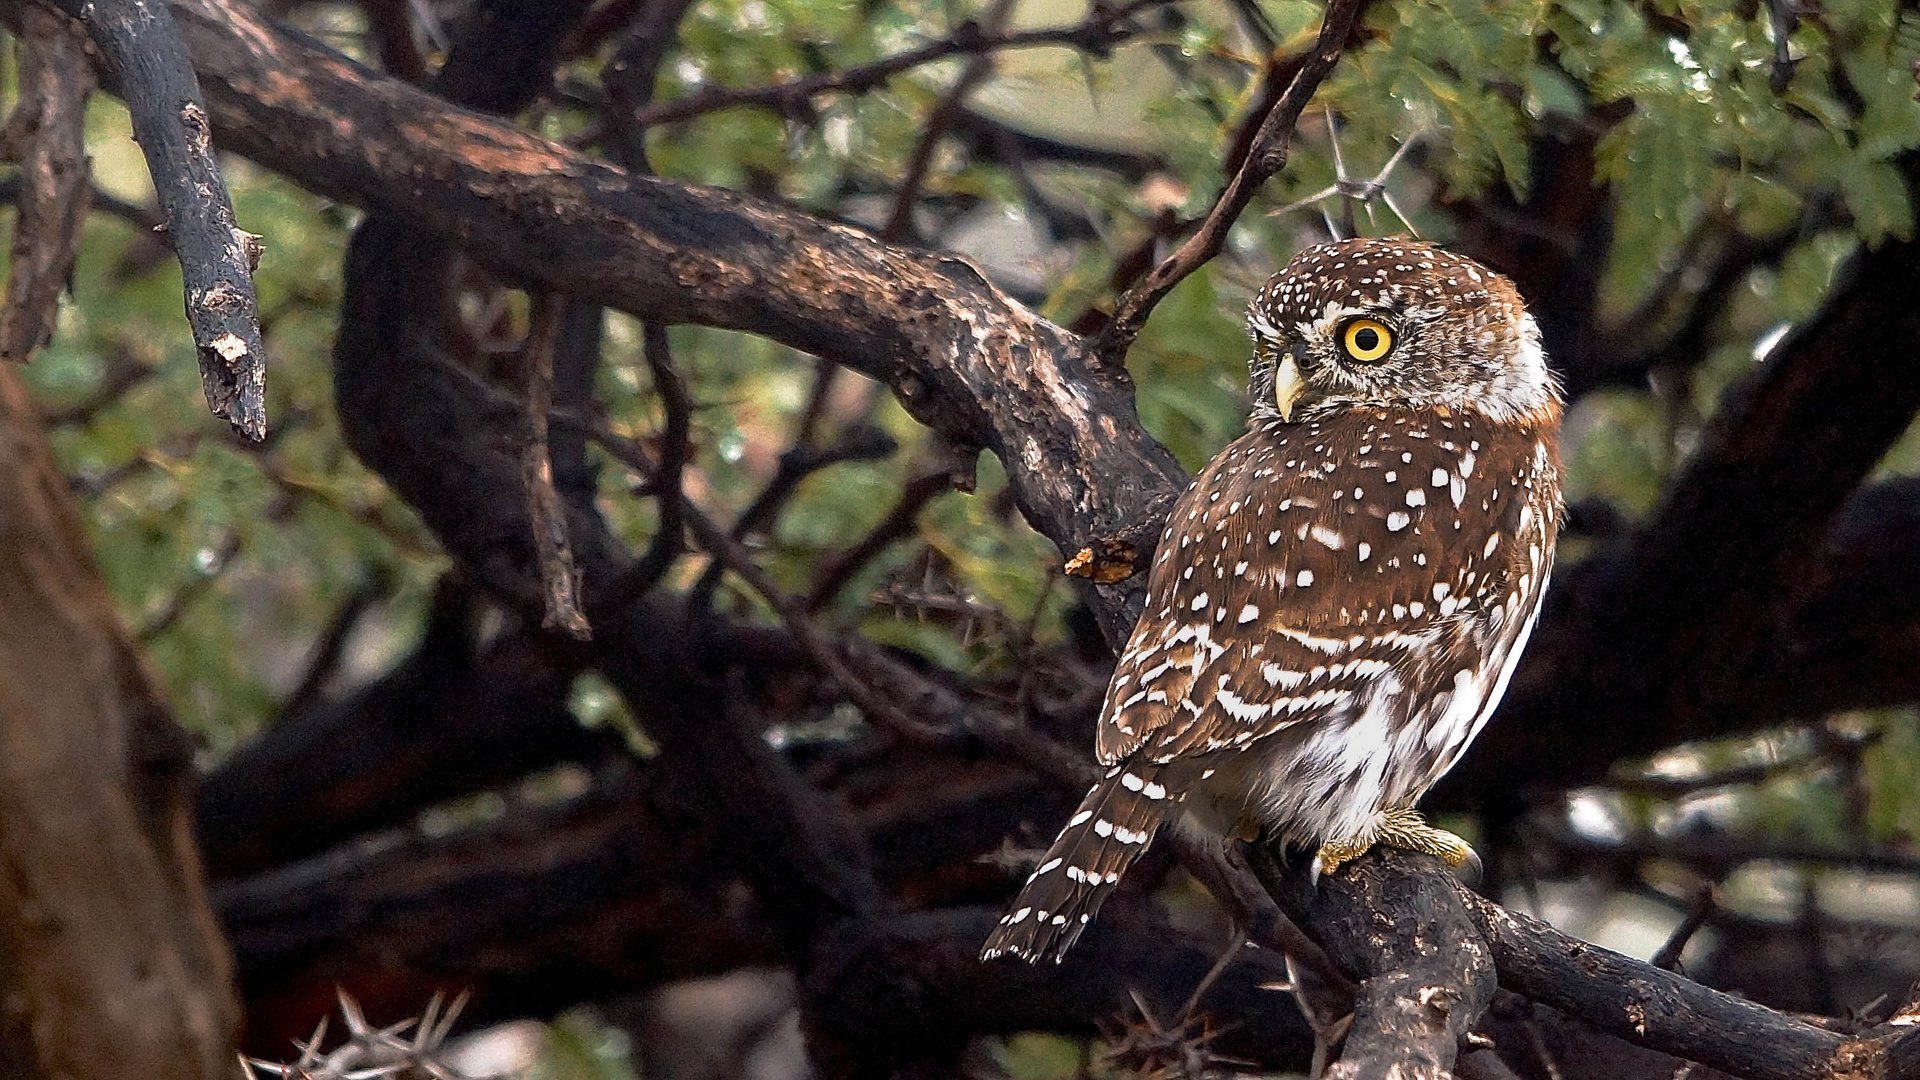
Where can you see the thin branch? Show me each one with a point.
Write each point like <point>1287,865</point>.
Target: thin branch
<point>860,442</point>
<point>1717,853</point>
<point>144,218</point>
<point>731,554</point>
<point>153,73</point>
<point>1699,914</point>
<point>899,224</point>
<point>331,647</point>
<point>1102,29</point>
<point>900,522</point>
<point>1265,157</point>
<point>213,564</point>
<point>559,577</point>
<point>395,38</point>
<point>629,77</point>
<point>664,483</point>
<point>125,371</point>
<point>992,137</point>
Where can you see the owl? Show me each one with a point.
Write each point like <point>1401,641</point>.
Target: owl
<point>1339,599</point>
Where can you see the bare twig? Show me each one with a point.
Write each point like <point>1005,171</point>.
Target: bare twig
<point>676,446</point>
<point>900,522</point>
<point>212,566</point>
<point>1267,155</point>
<point>559,577</point>
<point>728,552</point>
<point>1814,758</point>
<point>331,646</point>
<point>1102,29</point>
<point>629,79</point>
<point>126,369</point>
<point>396,38</point>
<point>1668,958</point>
<point>899,224</point>
<point>1224,871</point>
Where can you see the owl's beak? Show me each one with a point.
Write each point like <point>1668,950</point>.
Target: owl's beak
<point>1288,385</point>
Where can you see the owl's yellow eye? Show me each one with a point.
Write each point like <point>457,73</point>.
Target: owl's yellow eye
<point>1366,340</point>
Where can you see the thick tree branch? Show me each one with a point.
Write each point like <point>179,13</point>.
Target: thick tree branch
<point>1621,996</point>
<point>1426,977</point>
<point>963,357</point>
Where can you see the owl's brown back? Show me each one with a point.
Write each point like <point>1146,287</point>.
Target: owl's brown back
<point>1307,556</point>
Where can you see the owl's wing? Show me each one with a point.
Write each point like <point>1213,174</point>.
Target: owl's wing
<point>1299,575</point>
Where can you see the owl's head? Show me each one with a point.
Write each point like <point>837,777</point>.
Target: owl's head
<point>1391,322</point>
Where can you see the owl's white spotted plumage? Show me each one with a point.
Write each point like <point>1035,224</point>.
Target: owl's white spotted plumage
<point>1338,600</point>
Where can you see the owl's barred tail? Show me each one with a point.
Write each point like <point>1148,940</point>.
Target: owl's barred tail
<point>1112,828</point>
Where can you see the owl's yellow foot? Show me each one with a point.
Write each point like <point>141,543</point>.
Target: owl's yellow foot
<point>1335,853</point>
<point>1404,829</point>
<point>1407,830</point>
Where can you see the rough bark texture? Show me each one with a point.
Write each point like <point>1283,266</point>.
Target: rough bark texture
<point>44,139</point>
<point>1426,977</point>
<point>110,963</point>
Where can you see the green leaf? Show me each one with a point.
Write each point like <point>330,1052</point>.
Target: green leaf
<point>1877,194</point>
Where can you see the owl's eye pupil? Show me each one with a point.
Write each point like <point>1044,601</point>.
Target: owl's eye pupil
<point>1367,340</point>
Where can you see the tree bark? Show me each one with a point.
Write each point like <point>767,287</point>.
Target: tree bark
<point>110,963</point>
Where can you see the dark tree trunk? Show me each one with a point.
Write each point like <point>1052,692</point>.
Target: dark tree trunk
<point>110,963</point>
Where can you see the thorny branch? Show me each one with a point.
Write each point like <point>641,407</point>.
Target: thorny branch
<point>1266,156</point>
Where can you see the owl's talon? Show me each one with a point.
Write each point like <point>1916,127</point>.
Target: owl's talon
<point>1404,829</point>
<point>1336,853</point>
<point>1407,830</point>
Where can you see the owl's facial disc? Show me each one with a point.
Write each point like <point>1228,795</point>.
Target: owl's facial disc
<point>1392,323</point>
